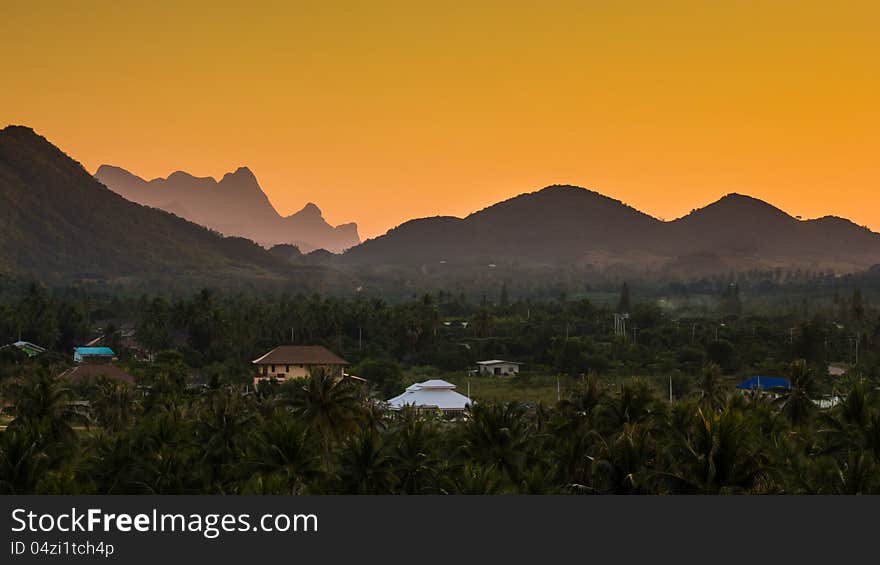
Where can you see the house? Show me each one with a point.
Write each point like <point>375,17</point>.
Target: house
<point>93,354</point>
<point>117,333</point>
<point>434,394</point>
<point>828,401</point>
<point>30,349</point>
<point>92,371</point>
<point>296,362</point>
<point>773,385</point>
<point>498,368</point>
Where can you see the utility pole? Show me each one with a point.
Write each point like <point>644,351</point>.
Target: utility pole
<point>850,351</point>
<point>670,389</point>
<point>858,339</point>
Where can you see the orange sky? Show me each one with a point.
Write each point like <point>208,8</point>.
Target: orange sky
<point>383,111</point>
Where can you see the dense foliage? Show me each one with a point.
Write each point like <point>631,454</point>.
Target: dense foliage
<point>324,436</point>
<point>218,334</point>
<point>193,423</point>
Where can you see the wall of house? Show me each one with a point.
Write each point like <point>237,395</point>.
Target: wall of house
<point>282,372</point>
<point>502,369</point>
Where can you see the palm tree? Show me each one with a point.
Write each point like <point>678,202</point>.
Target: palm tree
<point>220,425</point>
<point>333,406</point>
<point>847,426</point>
<point>164,456</point>
<point>712,394</point>
<point>283,456</point>
<point>499,437</point>
<point>22,461</point>
<point>365,466</point>
<point>41,404</point>
<point>720,454</point>
<point>483,323</point>
<point>857,473</point>
<point>475,479</point>
<point>796,403</point>
<point>635,403</point>
<point>414,451</point>
<point>112,404</point>
<point>584,398</point>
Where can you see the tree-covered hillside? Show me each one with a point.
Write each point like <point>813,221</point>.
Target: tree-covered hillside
<point>59,224</point>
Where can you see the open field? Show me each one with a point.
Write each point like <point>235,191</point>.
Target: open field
<point>547,388</point>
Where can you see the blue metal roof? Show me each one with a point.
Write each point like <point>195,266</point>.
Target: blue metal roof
<point>93,351</point>
<point>764,383</point>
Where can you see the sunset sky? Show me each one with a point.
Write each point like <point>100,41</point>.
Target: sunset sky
<point>384,111</point>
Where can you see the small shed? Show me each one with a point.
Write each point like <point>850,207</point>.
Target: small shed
<point>498,368</point>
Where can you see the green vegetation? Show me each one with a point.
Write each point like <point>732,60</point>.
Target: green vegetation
<point>60,224</point>
<point>322,435</point>
<point>589,413</point>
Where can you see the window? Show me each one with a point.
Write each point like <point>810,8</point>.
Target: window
<point>287,368</point>
<point>273,368</point>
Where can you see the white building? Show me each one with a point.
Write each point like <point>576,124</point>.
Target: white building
<point>433,394</point>
<point>498,368</point>
<point>30,349</point>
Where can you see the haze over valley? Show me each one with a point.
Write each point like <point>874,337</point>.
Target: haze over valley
<point>61,223</point>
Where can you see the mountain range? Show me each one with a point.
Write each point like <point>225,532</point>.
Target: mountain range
<point>234,205</point>
<point>569,225</point>
<point>59,224</point>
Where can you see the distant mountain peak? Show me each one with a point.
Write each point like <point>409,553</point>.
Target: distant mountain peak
<point>62,225</point>
<point>234,205</point>
<point>183,176</point>
<point>241,174</point>
<point>107,168</point>
<point>310,209</point>
<point>745,199</point>
<point>734,196</point>
<point>563,188</point>
<point>737,199</point>
<point>735,206</point>
<point>19,130</point>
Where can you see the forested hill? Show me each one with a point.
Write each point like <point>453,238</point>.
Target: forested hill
<point>568,225</point>
<point>61,225</point>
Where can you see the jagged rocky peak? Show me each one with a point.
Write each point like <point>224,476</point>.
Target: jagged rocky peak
<point>236,205</point>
